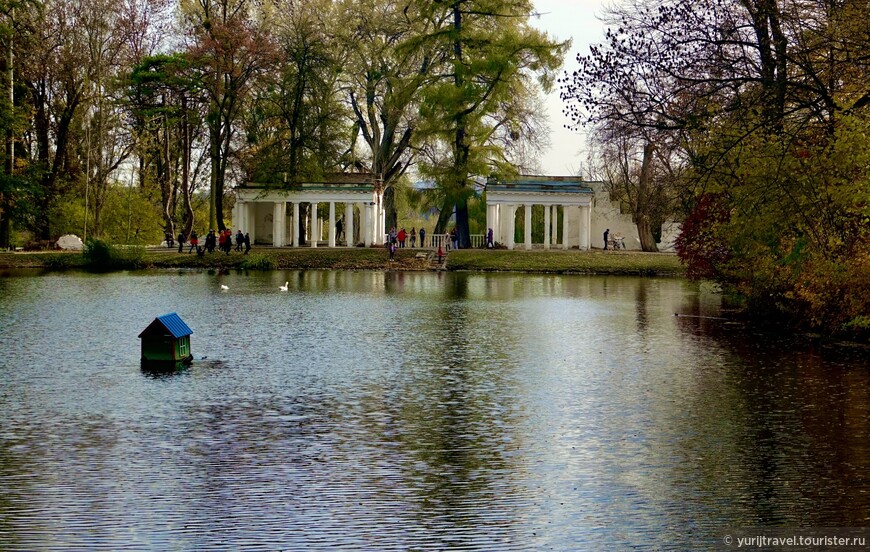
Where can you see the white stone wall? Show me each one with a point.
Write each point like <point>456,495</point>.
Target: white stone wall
<point>572,237</point>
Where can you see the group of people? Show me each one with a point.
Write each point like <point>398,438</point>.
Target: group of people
<point>399,238</point>
<point>222,241</point>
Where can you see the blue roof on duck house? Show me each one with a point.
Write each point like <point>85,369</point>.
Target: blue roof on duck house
<point>539,184</point>
<point>171,322</point>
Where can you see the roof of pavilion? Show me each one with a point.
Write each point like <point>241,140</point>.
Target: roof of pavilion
<point>542,185</point>
<point>362,182</point>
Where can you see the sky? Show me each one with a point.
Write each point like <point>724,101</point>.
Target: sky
<point>576,20</point>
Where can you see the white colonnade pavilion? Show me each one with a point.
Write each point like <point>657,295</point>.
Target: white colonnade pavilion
<point>271,215</point>
<point>572,196</point>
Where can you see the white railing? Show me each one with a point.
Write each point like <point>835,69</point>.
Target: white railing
<point>434,241</point>
<point>438,240</point>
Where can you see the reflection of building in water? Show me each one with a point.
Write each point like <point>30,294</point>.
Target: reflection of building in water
<point>576,213</point>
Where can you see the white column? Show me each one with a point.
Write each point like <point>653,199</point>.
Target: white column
<point>239,214</point>
<point>251,220</point>
<point>348,224</point>
<point>554,224</point>
<point>366,228</point>
<point>278,215</point>
<point>362,225</point>
<point>584,228</point>
<point>382,221</point>
<point>283,223</point>
<point>565,227</point>
<point>546,227</point>
<point>314,226</point>
<point>581,219</point>
<point>377,228</point>
<point>528,227</point>
<point>331,224</point>
<point>295,232</point>
<point>496,224</point>
<point>512,220</point>
<point>490,217</point>
<point>589,227</point>
<point>291,230</point>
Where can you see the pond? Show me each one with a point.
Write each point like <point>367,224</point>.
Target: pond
<point>414,411</point>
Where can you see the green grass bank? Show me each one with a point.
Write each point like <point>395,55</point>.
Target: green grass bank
<point>553,262</point>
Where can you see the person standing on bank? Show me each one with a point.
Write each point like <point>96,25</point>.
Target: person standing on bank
<point>339,230</point>
<point>606,235</point>
<point>228,243</point>
<point>194,242</point>
<point>181,240</point>
<point>247,243</point>
<point>413,236</point>
<point>422,237</point>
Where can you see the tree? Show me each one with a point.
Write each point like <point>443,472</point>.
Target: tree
<point>642,171</point>
<point>230,48</point>
<point>492,54</point>
<point>107,140</point>
<point>766,99</point>
<point>297,128</point>
<point>390,67</point>
<point>53,68</point>
<point>165,104</point>
<point>7,112</point>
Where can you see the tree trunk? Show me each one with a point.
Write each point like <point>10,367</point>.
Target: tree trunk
<point>647,242</point>
<point>214,158</point>
<point>641,211</point>
<point>392,217</point>
<point>5,200</point>
<point>225,132</point>
<point>444,217</point>
<point>185,166</point>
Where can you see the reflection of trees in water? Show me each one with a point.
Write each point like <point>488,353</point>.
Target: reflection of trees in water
<point>788,418</point>
<point>456,423</point>
<point>803,443</point>
<point>640,300</point>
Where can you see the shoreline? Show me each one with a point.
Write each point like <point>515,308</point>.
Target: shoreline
<point>629,263</point>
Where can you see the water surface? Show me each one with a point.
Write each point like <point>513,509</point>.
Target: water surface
<point>411,411</point>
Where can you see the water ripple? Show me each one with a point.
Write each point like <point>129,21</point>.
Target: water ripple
<point>370,411</point>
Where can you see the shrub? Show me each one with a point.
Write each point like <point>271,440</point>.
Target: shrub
<point>59,261</point>
<point>700,247</point>
<point>257,262</point>
<point>100,255</point>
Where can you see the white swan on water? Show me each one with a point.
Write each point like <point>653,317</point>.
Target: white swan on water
<point>285,286</point>
<point>224,288</point>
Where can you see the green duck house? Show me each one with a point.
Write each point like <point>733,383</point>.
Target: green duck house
<point>166,341</point>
